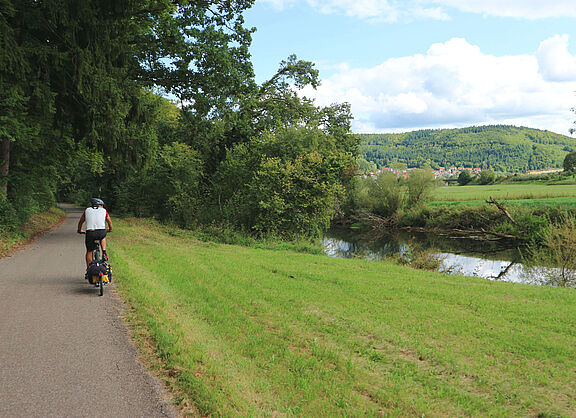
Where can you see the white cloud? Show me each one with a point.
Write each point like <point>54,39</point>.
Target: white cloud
<point>456,84</point>
<point>278,4</point>
<point>394,10</point>
<point>554,60</point>
<point>528,9</point>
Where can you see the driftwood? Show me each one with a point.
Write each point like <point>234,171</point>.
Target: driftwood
<point>377,222</point>
<point>502,209</point>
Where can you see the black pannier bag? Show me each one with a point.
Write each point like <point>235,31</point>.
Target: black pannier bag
<point>94,270</point>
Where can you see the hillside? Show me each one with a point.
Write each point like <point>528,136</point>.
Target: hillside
<point>500,147</point>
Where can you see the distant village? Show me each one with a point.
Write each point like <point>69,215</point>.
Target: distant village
<point>450,172</point>
<point>442,172</point>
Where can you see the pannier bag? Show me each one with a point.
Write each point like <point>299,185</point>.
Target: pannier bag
<point>94,270</point>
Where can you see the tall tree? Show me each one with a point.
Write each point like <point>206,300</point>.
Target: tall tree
<point>73,72</point>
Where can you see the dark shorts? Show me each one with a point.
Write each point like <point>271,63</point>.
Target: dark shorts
<point>91,236</point>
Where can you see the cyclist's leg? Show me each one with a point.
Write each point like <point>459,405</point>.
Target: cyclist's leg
<point>90,246</point>
<point>102,234</point>
<point>88,258</point>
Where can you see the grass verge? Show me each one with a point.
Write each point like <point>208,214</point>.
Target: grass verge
<point>38,224</point>
<point>251,331</point>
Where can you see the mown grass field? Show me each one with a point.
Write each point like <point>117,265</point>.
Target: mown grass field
<point>505,191</point>
<point>241,331</point>
<point>529,195</point>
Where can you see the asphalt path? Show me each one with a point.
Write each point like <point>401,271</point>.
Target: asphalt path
<point>64,350</point>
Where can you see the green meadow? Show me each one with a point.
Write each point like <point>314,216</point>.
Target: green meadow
<point>244,331</point>
<point>504,191</point>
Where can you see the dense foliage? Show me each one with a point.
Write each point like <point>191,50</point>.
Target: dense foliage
<point>83,113</point>
<point>569,164</point>
<point>500,148</point>
<point>388,197</point>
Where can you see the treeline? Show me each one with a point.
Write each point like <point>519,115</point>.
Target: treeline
<point>82,114</point>
<point>500,148</point>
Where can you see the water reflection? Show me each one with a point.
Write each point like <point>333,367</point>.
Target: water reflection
<point>494,260</point>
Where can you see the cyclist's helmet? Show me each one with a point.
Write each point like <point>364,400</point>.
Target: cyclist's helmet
<point>95,202</point>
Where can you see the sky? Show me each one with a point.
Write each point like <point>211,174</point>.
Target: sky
<point>413,64</point>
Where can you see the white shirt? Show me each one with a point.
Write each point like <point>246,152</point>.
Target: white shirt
<point>95,218</point>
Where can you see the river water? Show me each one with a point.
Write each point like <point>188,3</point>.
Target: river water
<point>489,259</point>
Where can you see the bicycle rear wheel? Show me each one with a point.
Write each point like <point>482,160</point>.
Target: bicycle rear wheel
<point>100,286</point>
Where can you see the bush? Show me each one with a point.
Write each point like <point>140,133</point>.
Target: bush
<point>558,250</point>
<point>387,196</point>
<point>8,217</point>
<point>486,177</point>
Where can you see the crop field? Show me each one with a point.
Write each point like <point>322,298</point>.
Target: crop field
<point>506,191</point>
<point>239,331</point>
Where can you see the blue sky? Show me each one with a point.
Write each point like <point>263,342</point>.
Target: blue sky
<point>413,64</point>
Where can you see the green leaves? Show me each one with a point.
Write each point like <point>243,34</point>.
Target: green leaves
<point>570,162</point>
<point>286,183</point>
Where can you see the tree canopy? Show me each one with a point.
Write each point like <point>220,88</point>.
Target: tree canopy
<point>84,112</point>
<point>570,163</point>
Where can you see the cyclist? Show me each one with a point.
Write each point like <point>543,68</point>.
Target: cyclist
<point>96,218</point>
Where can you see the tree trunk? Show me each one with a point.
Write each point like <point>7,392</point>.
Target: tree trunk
<point>5,147</point>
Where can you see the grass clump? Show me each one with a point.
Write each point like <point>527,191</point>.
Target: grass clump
<point>244,331</point>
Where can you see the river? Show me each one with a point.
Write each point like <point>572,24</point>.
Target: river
<point>489,259</point>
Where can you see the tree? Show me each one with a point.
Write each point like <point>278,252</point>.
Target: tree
<point>419,185</point>
<point>570,163</point>
<point>464,178</point>
<point>76,75</point>
<point>288,182</point>
<point>486,177</point>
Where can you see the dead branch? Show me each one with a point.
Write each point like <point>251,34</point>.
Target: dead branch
<point>503,272</point>
<point>501,208</point>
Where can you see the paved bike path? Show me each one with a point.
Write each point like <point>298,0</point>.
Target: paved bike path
<point>64,351</point>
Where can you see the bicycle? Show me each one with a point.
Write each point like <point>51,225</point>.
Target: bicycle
<point>103,277</point>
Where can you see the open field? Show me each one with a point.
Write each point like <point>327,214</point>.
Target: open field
<point>244,331</point>
<point>504,191</point>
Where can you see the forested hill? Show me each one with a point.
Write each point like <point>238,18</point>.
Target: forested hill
<point>500,147</point>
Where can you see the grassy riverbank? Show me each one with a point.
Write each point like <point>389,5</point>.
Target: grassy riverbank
<point>252,331</point>
<point>36,225</point>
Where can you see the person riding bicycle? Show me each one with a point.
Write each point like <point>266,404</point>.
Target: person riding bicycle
<point>96,218</point>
